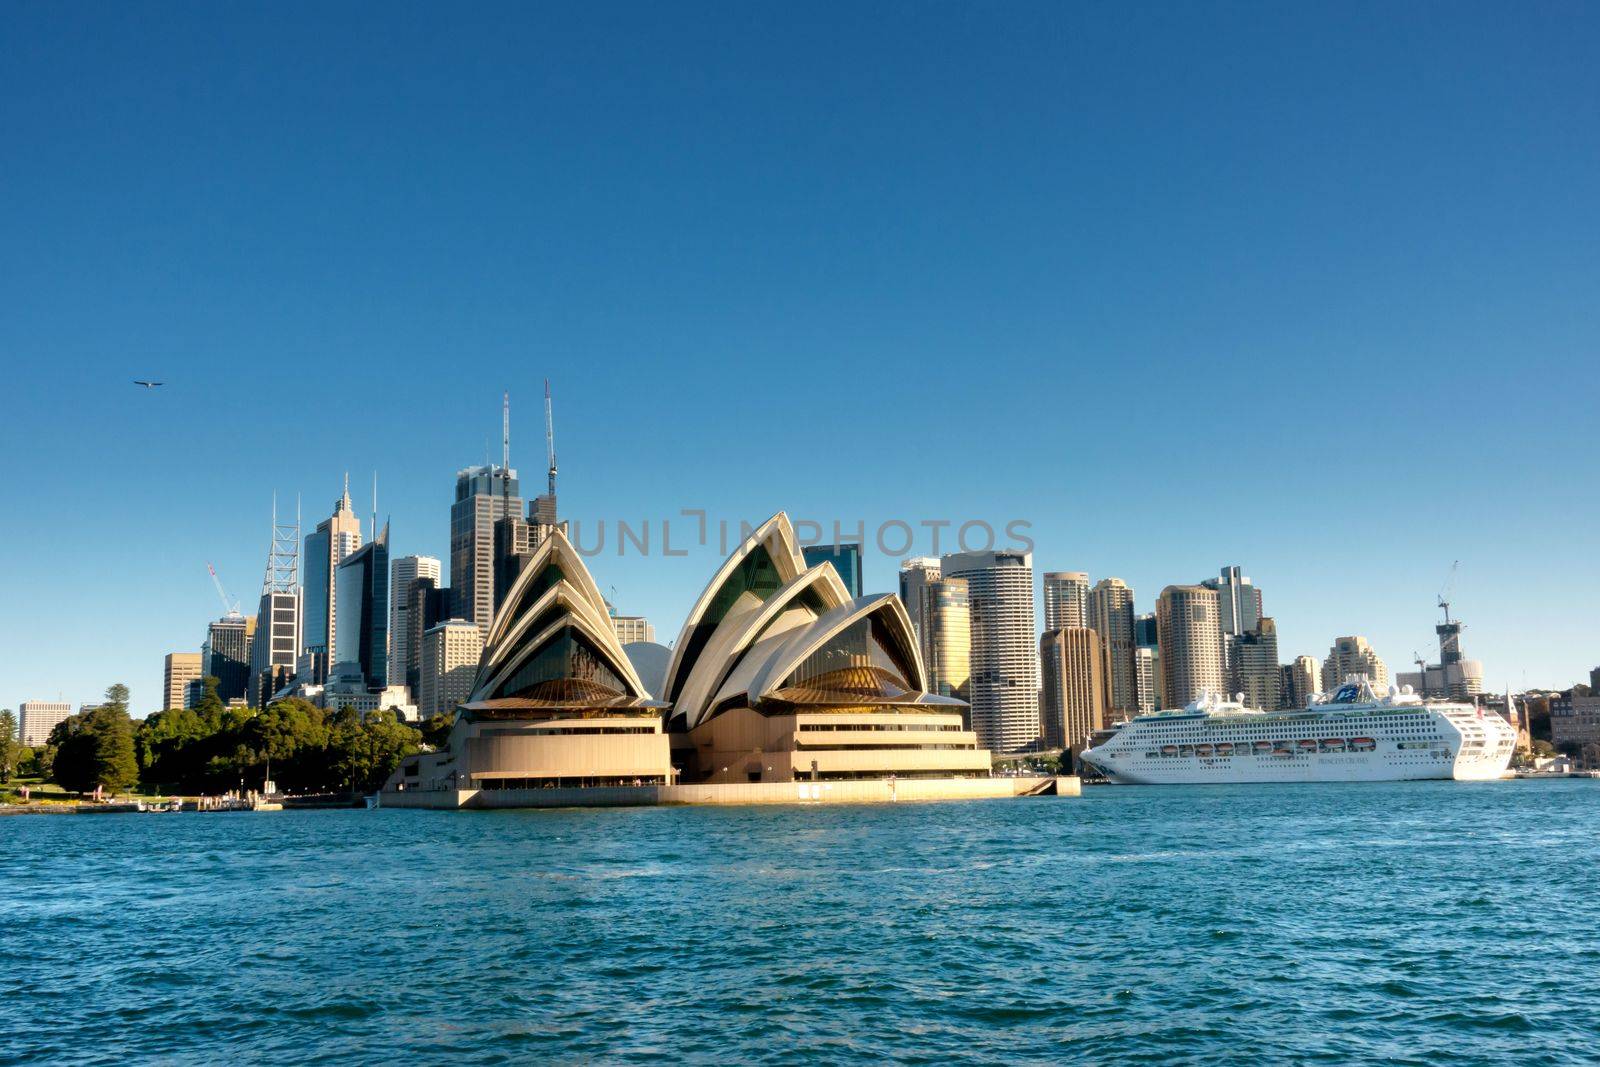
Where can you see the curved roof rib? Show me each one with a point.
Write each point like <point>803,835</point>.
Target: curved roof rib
<point>772,544</point>
<point>555,551</point>
<point>562,603</point>
<point>885,607</point>
<point>731,642</point>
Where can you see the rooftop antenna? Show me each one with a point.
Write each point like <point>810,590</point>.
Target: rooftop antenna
<point>550,437</point>
<point>374,536</point>
<point>505,430</point>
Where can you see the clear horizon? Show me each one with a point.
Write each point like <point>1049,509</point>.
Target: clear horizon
<point>1181,288</point>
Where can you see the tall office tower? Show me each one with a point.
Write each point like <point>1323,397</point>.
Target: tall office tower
<point>1066,600</point>
<point>1004,683</point>
<point>1302,680</point>
<point>1254,666</point>
<point>225,655</point>
<point>334,539</point>
<point>1147,678</point>
<point>449,662</point>
<point>36,718</point>
<point>916,575</point>
<point>277,641</point>
<point>1191,643</point>
<point>427,605</point>
<point>845,557</point>
<point>178,670</point>
<point>1111,615</point>
<point>361,642</point>
<point>632,629</point>
<point>1076,670</point>
<point>1352,656</point>
<point>402,572</point>
<point>947,651</point>
<point>1238,600</point>
<point>1239,606</point>
<point>1147,662</point>
<point>484,496</point>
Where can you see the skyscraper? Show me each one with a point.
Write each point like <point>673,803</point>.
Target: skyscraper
<point>225,655</point>
<point>916,575</point>
<point>845,557</point>
<point>1191,643</point>
<point>1301,681</point>
<point>1352,656</point>
<point>1111,615</point>
<point>277,642</point>
<point>1147,678</point>
<point>1147,663</point>
<point>325,548</point>
<point>1004,686</point>
<point>1238,600</point>
<point>361,642</point>
<point>947,653</point>
<point>178,670</point>
<point>1255,668</point>
<point>484,496</point>
<point>1074,667</point>
<point>450,653</point>
<point>402,572</point>
<point>427,605</point>
<point>1066,600</point>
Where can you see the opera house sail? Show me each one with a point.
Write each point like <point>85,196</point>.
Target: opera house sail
<point>556,702</point>
<point>780,675</point>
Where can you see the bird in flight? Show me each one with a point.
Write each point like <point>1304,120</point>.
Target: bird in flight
<point>147,385</point>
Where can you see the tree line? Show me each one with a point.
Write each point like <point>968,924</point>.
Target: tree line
<point>212,748</point>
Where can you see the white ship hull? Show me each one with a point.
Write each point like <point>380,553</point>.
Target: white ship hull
<point>1351,742</point>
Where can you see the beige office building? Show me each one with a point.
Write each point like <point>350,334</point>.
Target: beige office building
<point>1352,657</point>
<point>1254,665</point>
<point>450,654</point>
<point>1066,600</point>
<point>632,629</point>
<point>1075,668</point>
<point>947,650</point>
<point>36,718</point>
<point>1189,635</point>
<point>1302,680</point>
<point>1111,616</point>
<point>178,670</point>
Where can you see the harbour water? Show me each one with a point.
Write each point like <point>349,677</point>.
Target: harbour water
<point>1421,922</point>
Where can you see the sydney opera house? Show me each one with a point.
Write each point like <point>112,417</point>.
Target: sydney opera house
<point>778,678</point>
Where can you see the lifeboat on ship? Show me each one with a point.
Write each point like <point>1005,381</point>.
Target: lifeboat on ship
<point>1362,744</point>
<point>1308,745</point>
<point>1263,746</point>
<point>1225,748</point>
<point>1203,750</point>
<point>1332,744</point>
<point>1169,750</point>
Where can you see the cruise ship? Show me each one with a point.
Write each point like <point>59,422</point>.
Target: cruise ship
<point>1355,735</point>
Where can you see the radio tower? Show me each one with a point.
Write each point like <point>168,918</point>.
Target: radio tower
<point>283,554</point>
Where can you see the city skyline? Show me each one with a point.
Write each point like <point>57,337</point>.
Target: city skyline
<point>1394,255</point>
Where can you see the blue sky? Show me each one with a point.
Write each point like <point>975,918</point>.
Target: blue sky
<point>1307,288</point>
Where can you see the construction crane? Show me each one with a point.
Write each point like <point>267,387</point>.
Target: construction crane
<point>227,608</point>
<point>1449,589</point>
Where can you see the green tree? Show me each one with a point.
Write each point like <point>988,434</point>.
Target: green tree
<point>366,752</point>
<point>9,744</point>
<point>209,707</point>
<point>436,731</point>
<point>95,748</point>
